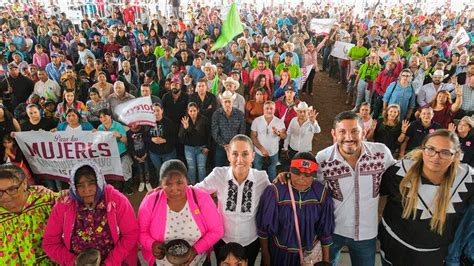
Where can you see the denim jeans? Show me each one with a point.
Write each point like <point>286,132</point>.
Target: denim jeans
<point>195,158</point>
<point>271,170</point>
<point>159,159</point>
<point>221,156</point>
<point>362,253</point>
<point>326,53</point>
<point>362,94</point>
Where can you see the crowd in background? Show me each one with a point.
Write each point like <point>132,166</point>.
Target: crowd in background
<point>406,81</point>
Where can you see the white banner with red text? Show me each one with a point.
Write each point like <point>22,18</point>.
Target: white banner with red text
<point>138,111</point>
<point>53,155</point>
<point>322,26</point>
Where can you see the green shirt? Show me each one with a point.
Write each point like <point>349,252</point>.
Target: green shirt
<point>357,53</point>
<point>294,69</point>
<point>22,233</point>
<point>370,71</point>
<point>160,51</point>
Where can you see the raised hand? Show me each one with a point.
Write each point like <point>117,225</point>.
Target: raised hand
<point>405,125</point>
<point>313,115</point>
<point>185,122</point>
<point>458,90</point>
<point>452,127</point>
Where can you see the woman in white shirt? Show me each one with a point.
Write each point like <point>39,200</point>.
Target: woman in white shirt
<point>238,188</point>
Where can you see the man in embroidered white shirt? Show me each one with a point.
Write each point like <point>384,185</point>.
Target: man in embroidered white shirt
<point>352,170</point>
<point>238,188</point>
<point>301,130</point>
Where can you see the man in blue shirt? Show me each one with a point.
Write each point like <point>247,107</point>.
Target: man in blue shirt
<point>55,68</point>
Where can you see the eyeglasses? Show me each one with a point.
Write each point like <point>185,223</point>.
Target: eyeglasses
<point>12,190</point>
<point>405,76</point>
<point>443,154</point>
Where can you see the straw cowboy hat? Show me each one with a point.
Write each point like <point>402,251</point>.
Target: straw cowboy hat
<point>227,95</point>
<point>232,81</point>
<point>290,46</point>
<point>439,73</point>
<point>468,120</point>
<point>242,39</point>
<point>303,106</point>
<point>209,65</point>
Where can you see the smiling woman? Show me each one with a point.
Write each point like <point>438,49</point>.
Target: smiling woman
<point>425,203</point>
<point>24,212</point>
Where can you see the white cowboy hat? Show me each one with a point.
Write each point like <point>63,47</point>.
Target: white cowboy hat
<point>227,95</point>
<point>439,73</point>
<point>303,106</point>
<point>241,39</point>
<point>290,46</point>
<point>231,80</point>
<point>209,65</point>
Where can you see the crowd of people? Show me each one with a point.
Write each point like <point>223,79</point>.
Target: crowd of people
<point>230,165</point>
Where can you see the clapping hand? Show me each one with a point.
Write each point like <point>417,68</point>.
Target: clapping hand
<point>185,122</point>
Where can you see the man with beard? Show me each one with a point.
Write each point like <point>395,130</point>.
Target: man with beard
<point>262,69</point>
<point>15,88</point>
<point>428,91</point>
<point>175,102</point>
<point>352,170</point>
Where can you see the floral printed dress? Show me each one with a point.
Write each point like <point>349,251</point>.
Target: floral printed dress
<point>91,230</point>
<point>21,233</point>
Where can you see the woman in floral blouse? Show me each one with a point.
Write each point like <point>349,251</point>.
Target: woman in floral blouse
<point>93,216</point>
<point>24,212</point>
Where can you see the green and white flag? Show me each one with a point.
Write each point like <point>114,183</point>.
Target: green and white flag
<point>231,28</point>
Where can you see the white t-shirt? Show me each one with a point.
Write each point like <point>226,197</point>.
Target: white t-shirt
<point>76,129</point>
<point>181,225</point>
<point>265,134</point>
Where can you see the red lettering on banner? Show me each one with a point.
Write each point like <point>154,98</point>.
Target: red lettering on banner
<point>80,150</point>
<point>104,148</point>
<point>68,150</point>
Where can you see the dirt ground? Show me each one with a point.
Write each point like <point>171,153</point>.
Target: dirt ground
<point>328,100</point>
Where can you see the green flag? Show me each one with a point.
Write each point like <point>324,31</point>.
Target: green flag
<point>215,84</point>
<point>231,28</point>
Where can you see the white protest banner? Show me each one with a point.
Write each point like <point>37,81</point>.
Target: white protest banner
<point>460,39</point>
<point>341,49</point>
<point>304,75</point>
<point>322,26</point>
<point>138,111</point>
<point>53,155</point>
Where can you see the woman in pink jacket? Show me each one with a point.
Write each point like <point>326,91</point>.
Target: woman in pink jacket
<point>178,212</point>
<point>93,215</point>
